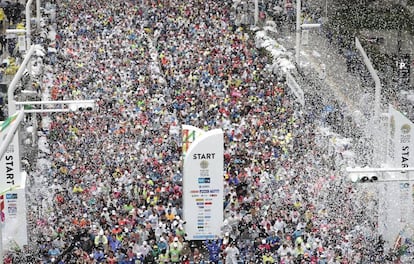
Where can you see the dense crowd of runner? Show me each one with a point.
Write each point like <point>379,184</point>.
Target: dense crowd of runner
<point>116,171</point>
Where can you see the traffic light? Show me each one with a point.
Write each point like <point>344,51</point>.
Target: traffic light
<point>87,105</point>
<point>363,177</point>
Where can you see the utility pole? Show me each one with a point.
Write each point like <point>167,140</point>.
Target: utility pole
<point>11,143</point>
<point>28,20</point>
<point>377,103</point>
<point>298,30</point>
<point>256,12</point>
<point>299,27</point>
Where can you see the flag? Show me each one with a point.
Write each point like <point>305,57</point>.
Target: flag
<point>7,122</point>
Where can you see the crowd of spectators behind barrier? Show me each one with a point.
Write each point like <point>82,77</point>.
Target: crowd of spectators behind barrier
<point>115,176</point>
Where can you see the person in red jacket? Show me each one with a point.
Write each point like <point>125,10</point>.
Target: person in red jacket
<point>263,248</point>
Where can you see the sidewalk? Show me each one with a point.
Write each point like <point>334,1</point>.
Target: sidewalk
<point>321,60</point>
<point>335,97</point>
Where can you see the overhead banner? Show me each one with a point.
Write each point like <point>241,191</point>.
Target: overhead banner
<point>203,183</point>
<point>396,205</point>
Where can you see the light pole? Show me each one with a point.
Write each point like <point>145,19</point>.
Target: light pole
<point>28,22</point>
<point>60,106</point>
<point>57,106</point>
<point>298,30</point>
<point>377,101</point>
<point>10,132</point>
<point>28,29</point>
<point>256,12</point>
<point>12,139</point>
<point>38,13</point>
<point>12,86</point>
<point>299,27</point>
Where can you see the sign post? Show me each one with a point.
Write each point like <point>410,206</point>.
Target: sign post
<point>203,185</point>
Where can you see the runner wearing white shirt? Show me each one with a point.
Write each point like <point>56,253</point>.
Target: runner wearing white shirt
<point>284,251</point>
<point>232,253</point>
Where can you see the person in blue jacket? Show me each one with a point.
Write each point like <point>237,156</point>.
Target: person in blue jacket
<point>213,247</point>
